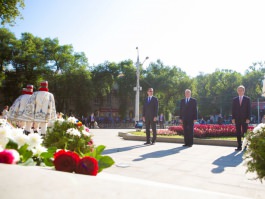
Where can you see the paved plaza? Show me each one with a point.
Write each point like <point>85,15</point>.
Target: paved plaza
<point>163,170</point>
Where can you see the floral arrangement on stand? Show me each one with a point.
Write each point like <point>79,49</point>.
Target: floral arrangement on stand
<point>78,153</point>
<point>254,156</point>
<point>68,146</point>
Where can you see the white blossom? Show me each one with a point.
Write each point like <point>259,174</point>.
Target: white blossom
<point>34,140</point>
<point>21,139</point>
<point>72,120</point>
<point>86,133</point>
<point>74,132</point>
<point>39,150</point>
<point>3,142</point>
<point>4,132</point>
<point>15,132</point>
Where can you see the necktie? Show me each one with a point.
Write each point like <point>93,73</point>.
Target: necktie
<point>187,100</point>
<point>240,100</point>
<point>149,99</point>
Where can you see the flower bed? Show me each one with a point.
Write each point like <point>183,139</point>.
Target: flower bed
<point>208,130</point>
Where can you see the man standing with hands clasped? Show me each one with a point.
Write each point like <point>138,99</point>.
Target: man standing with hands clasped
<point>188,116</point>
<point>241,112</point>
<point>150,112</point>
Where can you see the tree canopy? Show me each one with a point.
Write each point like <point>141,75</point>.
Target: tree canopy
<point>9,11</point>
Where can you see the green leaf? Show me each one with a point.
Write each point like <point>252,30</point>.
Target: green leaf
<point>48,162</point>
<point>29,162</point>
<point>11,145</point>
<point>100,149</point>
<point>105,162</point>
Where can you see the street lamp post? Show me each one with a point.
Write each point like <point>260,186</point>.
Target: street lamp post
<point>138,88</point>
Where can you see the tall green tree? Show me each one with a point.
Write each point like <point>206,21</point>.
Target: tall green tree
<point>215,92</point>
<point>9,11</point>
<point>169,84</point>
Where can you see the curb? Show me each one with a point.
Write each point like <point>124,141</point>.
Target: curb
<point>129,136</point>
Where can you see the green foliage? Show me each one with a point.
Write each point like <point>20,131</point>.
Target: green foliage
<point>27,158</point>
<point>9,10</point>
<point>255,153</point>
<point>103,161</point>
<point>59,138</point>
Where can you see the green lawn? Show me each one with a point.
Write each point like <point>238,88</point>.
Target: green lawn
<point>141,133</point>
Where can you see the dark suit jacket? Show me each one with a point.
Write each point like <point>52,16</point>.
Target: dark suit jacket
<point>243,112</point>
<point>150,110</point>
<point>188,112</point>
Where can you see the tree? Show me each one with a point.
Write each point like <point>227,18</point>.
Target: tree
<point>126,79</point>
<point>169,84</point>
<point>9,10</point>
<point>215,92</point>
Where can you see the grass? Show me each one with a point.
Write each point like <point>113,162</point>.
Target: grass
<point>142,133</point>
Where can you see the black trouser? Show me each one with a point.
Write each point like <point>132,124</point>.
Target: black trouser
<point>241,129</point>
<point>150,122</point>
<point>188,127</point>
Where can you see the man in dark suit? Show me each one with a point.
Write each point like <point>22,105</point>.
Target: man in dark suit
<point>150,112</point>
<point>241,113</point>
<point>188,116</point>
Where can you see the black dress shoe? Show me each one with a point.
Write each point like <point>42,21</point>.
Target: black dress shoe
<point>147,143</point>
<point>189,145</point>
<point>26,132</point>
<point>238,149</point>
<point>153,143</point>
<point>184,145</point>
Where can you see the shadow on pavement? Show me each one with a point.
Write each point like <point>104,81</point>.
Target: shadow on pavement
<point>115,150</point>
<point>231,160</point>
<point>159,154</point>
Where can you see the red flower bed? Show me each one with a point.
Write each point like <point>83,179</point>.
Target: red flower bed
<point>209,130</point>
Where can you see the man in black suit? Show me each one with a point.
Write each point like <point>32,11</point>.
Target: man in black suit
<point>188,116</point>
<point>150,112</point>
<point>241,113</point>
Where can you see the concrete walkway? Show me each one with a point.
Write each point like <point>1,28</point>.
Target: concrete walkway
<point>163,170</point>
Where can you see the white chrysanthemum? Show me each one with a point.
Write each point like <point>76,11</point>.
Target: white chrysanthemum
<point>3,142</point>
<point>38,150</point>
<point>72,120</point>
<point>74,132</point>
<point>60,120</point>
<point>5,132</point>
<point>86,133</point>
<point>256,129</point>
<point>21,139</point>
<point>34,140</point>
<point>15,132</point>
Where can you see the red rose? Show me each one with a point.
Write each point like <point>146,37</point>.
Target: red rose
<point>87,165</point>
<point>6,157</point>
<point>65,161</point>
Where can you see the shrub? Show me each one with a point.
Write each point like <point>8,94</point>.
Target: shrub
<point>255,153</point>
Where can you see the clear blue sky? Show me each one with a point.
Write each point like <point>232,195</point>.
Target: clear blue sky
<point>194,35</point>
